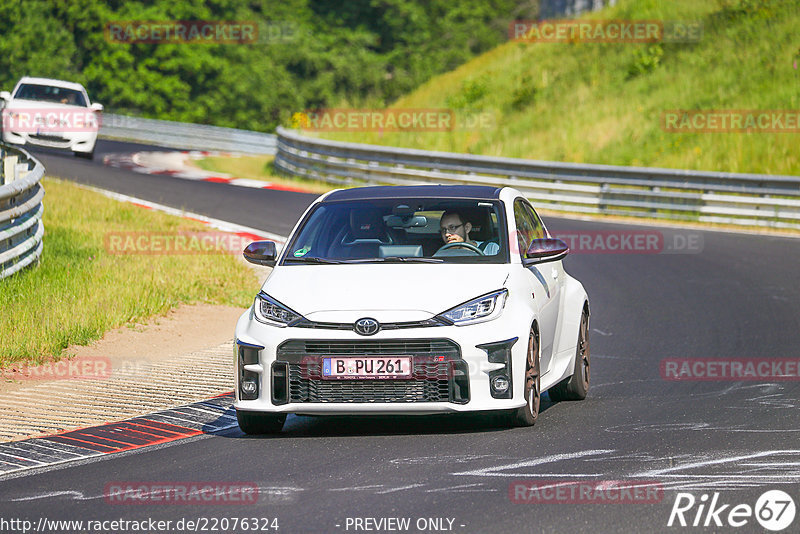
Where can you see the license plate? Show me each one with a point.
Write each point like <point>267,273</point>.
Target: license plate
<point>366,367</point>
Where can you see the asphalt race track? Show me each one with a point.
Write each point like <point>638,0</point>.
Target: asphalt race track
<point>273,212</point>
<point>737,298</point>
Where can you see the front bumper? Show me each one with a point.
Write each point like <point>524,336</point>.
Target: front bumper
<point>75,141</point>
<point>452,369</point>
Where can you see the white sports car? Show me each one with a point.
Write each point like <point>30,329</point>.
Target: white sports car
<point>51,113</point>
<point>412,300</point>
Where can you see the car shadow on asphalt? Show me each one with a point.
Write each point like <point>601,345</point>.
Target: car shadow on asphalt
<point>304,426</point>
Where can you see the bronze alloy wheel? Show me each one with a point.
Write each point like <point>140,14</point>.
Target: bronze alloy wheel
<point>576,387</point>
<point>527,415</point>
<point>583,352</point>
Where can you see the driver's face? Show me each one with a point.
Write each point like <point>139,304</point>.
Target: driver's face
<point>453,230</point>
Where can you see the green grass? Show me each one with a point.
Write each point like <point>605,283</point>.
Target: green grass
<point>602,103</point>
<point>79,290</point>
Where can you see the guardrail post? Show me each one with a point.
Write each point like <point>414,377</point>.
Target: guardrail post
<point>10,169</point>
<point>602,207</point>
<point>655,189</point>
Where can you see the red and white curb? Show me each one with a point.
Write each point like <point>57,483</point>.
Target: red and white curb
<point>175,164</point>
<point>205,417</point>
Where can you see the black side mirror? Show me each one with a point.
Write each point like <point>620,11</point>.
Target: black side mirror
<point>545,250</point>
<point>261,253</point>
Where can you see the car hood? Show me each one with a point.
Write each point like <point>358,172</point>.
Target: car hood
<point>402,292</point>
<point>39,105</point>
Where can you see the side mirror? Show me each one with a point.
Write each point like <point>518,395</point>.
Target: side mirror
<point>96,107</point>
<point>5,95</point>
<point>261,253</point>
<point>545,250</point>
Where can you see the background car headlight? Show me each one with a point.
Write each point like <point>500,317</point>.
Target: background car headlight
<point>270,311</point>
<point>484,308</point>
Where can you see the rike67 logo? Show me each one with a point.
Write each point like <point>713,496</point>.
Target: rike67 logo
<point>774,510</point>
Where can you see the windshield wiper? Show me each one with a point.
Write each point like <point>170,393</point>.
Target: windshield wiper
<point>397,259</point>
<point>390,259</point>
<point>313,260</point>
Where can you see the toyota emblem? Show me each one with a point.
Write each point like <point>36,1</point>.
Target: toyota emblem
<point>367,326</point>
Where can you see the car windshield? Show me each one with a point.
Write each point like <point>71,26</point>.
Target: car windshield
<point>50,93</point>
<point>401,230</point>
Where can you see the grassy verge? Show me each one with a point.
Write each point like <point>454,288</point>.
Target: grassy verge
<point>80,290</point>
<point>258,168</point>
<point>603,103</point>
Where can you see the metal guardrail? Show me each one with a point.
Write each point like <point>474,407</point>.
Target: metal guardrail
<point>711,197</point>
<point>185,135</point>
<point>21,192</point>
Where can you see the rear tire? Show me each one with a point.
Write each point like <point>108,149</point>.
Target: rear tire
<point>528,414</point>
<point>259,423</point>
<point>576,386</point>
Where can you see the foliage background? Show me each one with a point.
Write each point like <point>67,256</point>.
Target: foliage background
<point>359,52</point>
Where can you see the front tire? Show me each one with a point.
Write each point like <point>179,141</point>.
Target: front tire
<point>528,414</point>
<point>576,386</point>
<point>84,155</point>
<point>255,423</point>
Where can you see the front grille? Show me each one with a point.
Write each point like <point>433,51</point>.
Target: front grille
<point>51,138</point>
<point>432,375</point>
<point>295,350</point>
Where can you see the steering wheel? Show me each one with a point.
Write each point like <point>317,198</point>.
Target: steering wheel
<point>467,246</point>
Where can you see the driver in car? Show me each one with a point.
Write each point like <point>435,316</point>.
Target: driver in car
<point>454,229</point>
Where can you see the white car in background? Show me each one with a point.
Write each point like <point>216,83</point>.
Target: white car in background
<point>50,113</point>
<point>412,300</point>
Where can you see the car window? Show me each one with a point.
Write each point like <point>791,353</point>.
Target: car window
<point>402,230</point>
<point>49,93</point>
<point>528,228</point>
<point>538,227</point>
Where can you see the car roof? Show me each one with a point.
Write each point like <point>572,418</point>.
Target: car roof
<point>480,192</point>
<point>53,82</point>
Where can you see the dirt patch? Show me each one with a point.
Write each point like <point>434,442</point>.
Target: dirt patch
<point>186,329</point>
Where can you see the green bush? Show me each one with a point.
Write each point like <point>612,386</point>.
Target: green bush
<point>524,94</point>
<point>471,93</point>
<point>646,60</point>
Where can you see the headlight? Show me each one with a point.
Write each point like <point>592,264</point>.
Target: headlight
<point>270,311</point>
<point>484,308</point>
